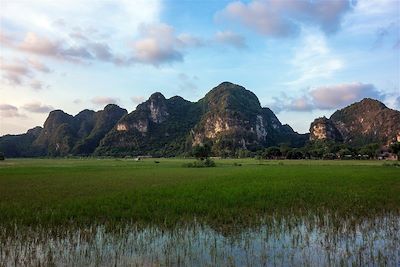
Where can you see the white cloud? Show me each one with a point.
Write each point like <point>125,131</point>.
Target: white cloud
<point>36,85</point>
<point>301,104</point>
<point>39,66</point>
<point>313,59</point>
<point>119,18</point>
<point>158,44</point>
<point>8,111</point>
<point>76,30</point>
<point>230,38</point>
<point>137,99</point>
<point>22,72</point>
<point>328,97</point>
<point>104,100</point>
<point>340,95</point>
<point>282,18</point>
<point>369,15</point>
<point>14,72</point>
<point>37,107</point>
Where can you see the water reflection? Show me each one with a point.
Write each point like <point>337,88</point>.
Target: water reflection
<point>282,242</point>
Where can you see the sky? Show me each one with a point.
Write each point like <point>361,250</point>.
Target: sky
<point>302,58</point>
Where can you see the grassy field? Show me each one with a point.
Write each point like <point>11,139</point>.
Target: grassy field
<point>61,191</point>
<point>121,212</point>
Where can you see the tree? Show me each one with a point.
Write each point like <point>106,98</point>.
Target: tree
<point>242,153</point>
<point>285,149</point>
<point>2,156</point>
<point>201,151</point>
<point>272,152</point>
<point>395,147</point>
<point>329,156</point>
<point>371,150</point>
<point>344,153</point>
<point>295,154</point>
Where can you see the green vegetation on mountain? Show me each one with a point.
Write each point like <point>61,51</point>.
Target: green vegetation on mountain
<point>157,127</point>
<point>362,123</point>
<point>63,134</point>
<point>15,146</point>
<point>229,119</point>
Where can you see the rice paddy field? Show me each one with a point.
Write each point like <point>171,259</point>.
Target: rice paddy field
<point>155,212</point>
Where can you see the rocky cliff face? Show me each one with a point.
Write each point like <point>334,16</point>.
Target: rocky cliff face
<point>159,126</point>
<point>154,110</point>
<point>234,119</point>
<point>229,117</point>
<point>103,122</point>
<point>64,134</point>
<point>367,121</point>
<point>324,129</point>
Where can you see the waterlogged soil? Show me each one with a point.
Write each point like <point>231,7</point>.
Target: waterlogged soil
<point>295,241</point>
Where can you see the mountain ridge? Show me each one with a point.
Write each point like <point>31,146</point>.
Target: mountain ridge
<point>363,122</point>
<point>229,118</point>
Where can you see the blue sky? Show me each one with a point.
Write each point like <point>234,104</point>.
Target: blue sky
<point>303,59</point>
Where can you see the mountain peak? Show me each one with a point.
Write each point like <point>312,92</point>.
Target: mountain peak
<point>84,114</point>
<point>371,103</point>
<point>231,96</point>
<point>157,96</point>
<point>363,122</point>
<point>111,107</point>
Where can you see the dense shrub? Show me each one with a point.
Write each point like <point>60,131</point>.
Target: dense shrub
<point>329,156</point>
<point>200,164</point>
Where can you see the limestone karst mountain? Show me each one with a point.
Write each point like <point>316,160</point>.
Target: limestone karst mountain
<point>364,122</point>
<point>229,118</point>
<point>64,134</point>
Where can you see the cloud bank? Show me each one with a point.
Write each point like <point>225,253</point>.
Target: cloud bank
<point>284,18</point>
<point>158,44</point>
<point>327,97</point>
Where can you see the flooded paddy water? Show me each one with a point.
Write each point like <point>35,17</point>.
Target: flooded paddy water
<point>310,241</point>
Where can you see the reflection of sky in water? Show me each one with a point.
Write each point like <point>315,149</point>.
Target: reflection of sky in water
<point>278,242</point>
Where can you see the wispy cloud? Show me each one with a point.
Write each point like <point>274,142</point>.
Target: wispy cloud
<point>187,83</point>
<point>9,111</point>
<point>104,100</point>
<point>388,34</point>
<point>313,59</point>
<point>230,38</point>
<point>14,72</point>
<point>119,18</point>
<point>22,72</point>
<point>37,107</point>
<point>137,99</point>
